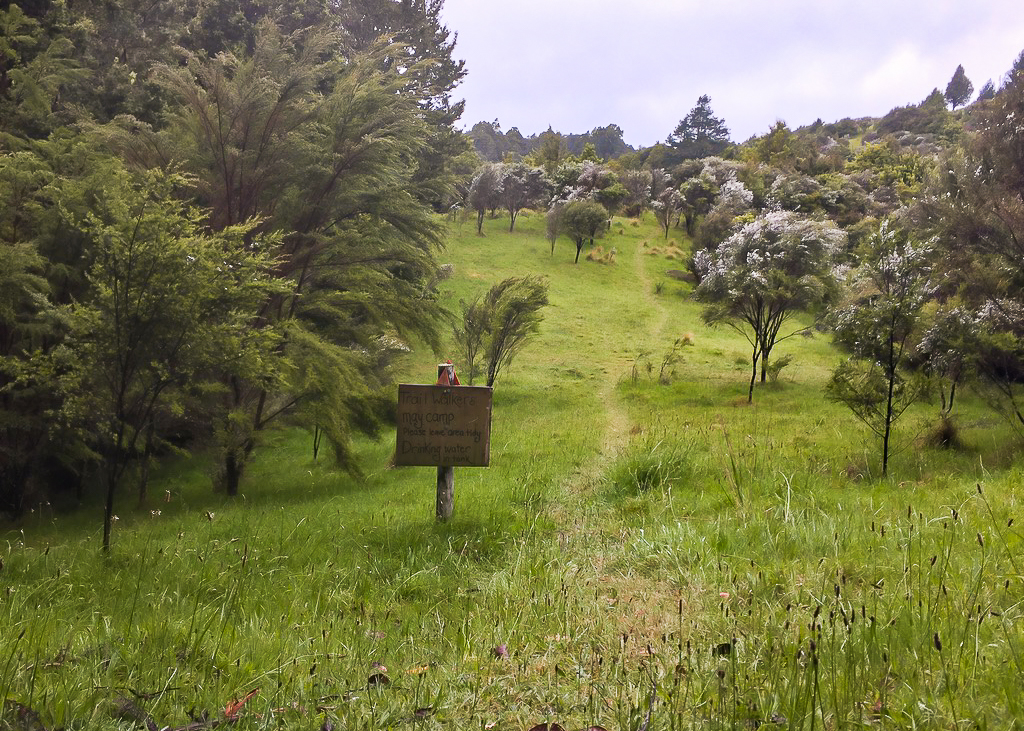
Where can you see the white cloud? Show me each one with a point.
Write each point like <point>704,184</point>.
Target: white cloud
<point>578,64</point>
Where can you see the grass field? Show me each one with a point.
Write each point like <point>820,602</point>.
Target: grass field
<point>644,552</point>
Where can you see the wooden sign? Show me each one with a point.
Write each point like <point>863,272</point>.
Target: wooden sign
<point>443,426</point>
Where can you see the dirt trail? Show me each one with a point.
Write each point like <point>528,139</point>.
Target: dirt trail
<point>644,608</point>
<point>616,433</point>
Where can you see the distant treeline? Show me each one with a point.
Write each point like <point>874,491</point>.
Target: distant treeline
<point>494,145</point>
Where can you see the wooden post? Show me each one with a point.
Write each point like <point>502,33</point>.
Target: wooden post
<point>445,507</point>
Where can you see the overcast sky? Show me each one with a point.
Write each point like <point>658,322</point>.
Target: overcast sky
<point>642,64</point>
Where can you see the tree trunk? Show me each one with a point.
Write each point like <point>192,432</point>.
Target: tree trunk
<point>888,423</point>
<point>108,508</point>
<point>753,374</point>
<point>115,460</point>
<point>317,436</point>
<point>234,466</point>
<point>480,223</point>
<point>511,221</point>
<point>579,247</point>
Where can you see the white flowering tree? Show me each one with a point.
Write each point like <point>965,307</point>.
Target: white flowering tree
<point>485,192</point>
<point>878,326</point>
<point>583,220</point>
<point>764,274</point>
<point>947,347</point>
<point>521,186</point>
<point>667,208</point>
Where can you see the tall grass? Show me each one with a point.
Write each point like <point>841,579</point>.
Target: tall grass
<point>709,565</point>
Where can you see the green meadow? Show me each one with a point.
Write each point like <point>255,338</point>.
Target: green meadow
<point>646,551</point>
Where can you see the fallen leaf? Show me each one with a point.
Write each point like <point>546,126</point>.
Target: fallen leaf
<point>232,708</point>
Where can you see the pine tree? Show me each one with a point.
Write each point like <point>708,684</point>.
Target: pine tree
<point>959,89</point>
<point>700,133</point>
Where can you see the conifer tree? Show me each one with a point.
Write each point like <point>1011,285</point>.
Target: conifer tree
<point>700,133</point>
<point>959,89</point>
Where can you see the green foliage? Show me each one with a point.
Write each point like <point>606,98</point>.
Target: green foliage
<point>903,170</point>
<point>330,174</point>
<point>321,135</point>
<point>551,151</point>
<point>584,220</point>
<point>764,274</point>
<point>959,89</point>
<point>780,148</point>
<point>589,153</point>
<point>485,192</point>
<point>700,133</point>
<point>976,214</point>
<point>495,328</point>
<point>774,368</point>
<point>165,317</point>
<point>698,195</point>
<point>651,466</point>
<point>877,327</point>
<point>929,117</point>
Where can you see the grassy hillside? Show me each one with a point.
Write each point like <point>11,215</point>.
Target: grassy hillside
<point>644,552</point>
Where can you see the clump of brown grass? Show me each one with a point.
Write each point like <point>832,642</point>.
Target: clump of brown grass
<point>599,255</point>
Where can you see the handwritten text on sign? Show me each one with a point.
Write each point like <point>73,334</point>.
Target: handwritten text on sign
<point>443,426</point>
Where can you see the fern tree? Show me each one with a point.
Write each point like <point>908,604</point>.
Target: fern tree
<point>319,152</point>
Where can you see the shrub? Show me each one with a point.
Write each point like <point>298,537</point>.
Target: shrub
<point>774,368</point>
<point>649,466</point>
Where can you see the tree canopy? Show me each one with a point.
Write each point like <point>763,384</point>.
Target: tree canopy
<point>764,274</point>
<point>700,133</point>
<point>959,89</point>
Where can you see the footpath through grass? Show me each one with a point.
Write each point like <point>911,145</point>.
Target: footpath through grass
<point>646,551</point>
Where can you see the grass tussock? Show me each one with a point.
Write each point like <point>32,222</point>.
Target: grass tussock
<point>599,255</point>
<point>669,251</point>
<point>944,434</point>
<point>651,465</point>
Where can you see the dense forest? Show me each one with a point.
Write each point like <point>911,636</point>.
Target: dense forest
<point>215,217</point>
<point>220,218</point>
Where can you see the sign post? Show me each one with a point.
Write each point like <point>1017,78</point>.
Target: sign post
<point>444,425</point>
